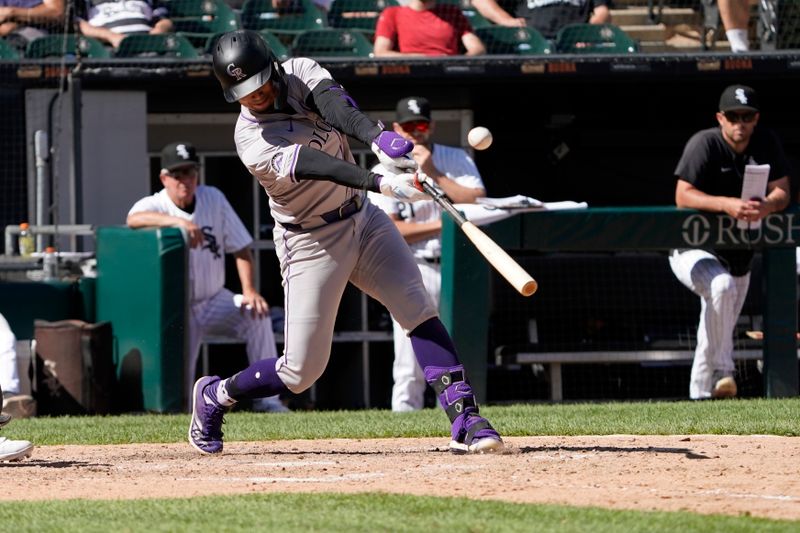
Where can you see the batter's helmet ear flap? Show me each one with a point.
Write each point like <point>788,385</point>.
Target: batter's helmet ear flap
<point>243,63</point>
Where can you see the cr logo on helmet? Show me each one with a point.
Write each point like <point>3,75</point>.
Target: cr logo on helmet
<point>236,72</point>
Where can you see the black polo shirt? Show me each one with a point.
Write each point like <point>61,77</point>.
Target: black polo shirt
<point>712,166</point>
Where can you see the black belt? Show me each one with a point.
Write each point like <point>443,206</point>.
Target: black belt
<point>346,210</point>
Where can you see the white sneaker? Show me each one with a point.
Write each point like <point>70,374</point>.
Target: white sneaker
<point>273,404</point>
<point>19,405</point>
<point>14,450</point>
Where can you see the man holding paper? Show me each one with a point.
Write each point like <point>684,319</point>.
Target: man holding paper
<point>740,170</point>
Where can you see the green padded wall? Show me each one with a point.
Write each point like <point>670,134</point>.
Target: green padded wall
<point>141,290</point>
<point>22,302</point>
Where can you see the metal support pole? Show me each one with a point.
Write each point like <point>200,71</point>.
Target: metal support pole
<point>76,185</point>
<point>41,147</point>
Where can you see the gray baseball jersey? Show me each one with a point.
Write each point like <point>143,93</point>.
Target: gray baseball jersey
<point>319,259</point>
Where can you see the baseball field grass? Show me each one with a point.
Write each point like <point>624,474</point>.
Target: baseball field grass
<point>390,512</point>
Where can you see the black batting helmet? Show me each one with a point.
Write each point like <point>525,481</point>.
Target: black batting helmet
<point>243,62</point>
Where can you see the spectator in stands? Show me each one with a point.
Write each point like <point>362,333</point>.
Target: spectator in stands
<point>546,16</point>
<point>14,403</point>
<point>709,177</point>
<point>22,21</point>
<point>289,5</point>
<point>735,15</point>
<point>425,28</point>
<point>213,229</point>
<point>111,20</point>
<point>453,171</point>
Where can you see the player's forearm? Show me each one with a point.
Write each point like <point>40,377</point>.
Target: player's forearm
<point>152,219</point>
<point>459,194</point>
<point>316,164</point>
<point>778,197</point>
<point>244,267</point>
<point>414,232</point>
<point>339,109</point>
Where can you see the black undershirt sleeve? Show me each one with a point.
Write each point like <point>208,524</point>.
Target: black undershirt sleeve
<point>313,164</point>
<point>332,103</point>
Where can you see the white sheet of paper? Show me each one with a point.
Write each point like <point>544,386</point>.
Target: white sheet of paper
<point>753,186</point>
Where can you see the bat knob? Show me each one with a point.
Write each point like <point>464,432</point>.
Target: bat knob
<point>529,288</point>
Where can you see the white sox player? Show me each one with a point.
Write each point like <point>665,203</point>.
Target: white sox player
<point>420,223</point>
<point>291,136</point>
<point>710,176</point>
<point>213,229</point>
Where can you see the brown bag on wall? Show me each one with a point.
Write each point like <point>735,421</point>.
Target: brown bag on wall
<point>74,367</point>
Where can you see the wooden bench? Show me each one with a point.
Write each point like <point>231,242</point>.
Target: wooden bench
<point>554,360</point>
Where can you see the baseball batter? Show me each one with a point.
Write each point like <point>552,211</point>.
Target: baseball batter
<point>291,136</point>
<point>213,229</point>
<point>420,224</point>
<point>710,176</point>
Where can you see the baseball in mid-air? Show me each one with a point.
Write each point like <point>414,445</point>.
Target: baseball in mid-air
<point>479,138</point>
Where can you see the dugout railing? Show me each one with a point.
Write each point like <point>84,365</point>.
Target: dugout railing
<point>466,279</point>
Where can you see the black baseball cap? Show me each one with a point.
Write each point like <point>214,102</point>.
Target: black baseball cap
<point>738,98</point>
<point>178,154</point>
<point>412,109</point>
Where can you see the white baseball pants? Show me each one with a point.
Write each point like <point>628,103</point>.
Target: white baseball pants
<point>721,300</point>
<point>219,317</point>
<point>9,374</point>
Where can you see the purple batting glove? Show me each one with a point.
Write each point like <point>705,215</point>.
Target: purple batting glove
<point>392,144</point>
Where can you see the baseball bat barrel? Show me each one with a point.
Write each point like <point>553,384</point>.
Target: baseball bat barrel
<point>497,257</point>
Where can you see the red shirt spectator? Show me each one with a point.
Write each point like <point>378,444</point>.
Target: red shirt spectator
<point>424,28</point>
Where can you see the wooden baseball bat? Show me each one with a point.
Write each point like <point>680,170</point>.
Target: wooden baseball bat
<point>497,257</point>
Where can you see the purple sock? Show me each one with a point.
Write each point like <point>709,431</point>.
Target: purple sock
<point>258,380</point>
<point>433,345</point>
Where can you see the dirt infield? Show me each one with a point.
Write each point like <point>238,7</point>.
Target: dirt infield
<point>755,475</point>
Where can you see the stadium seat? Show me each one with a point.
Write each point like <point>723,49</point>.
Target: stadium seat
<point>275,44</point>
<point>197,20</point>
<point>58,45</point>
<point>202,16</point>
<point>594,39</point>
<point>474,17</point>
<point>333,42</point>
<point>300,16</point>
<point>7,51</point>
<point>513,41</point>
<point>359,15</point>
<point>161,45</point>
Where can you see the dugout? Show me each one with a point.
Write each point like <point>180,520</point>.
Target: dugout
<point>606,130</point>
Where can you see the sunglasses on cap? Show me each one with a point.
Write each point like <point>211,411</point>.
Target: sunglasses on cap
<point>421,126</point>
<point>733,117</point>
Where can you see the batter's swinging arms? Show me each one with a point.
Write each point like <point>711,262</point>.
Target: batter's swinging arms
<point>291,136</point>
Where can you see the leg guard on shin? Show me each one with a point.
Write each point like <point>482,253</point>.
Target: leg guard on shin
<point>471,433</point>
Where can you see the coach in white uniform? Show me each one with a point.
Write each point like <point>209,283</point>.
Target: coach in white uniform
<point>213,229</point>
<point>710,176</point>
<point>420,223</point>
